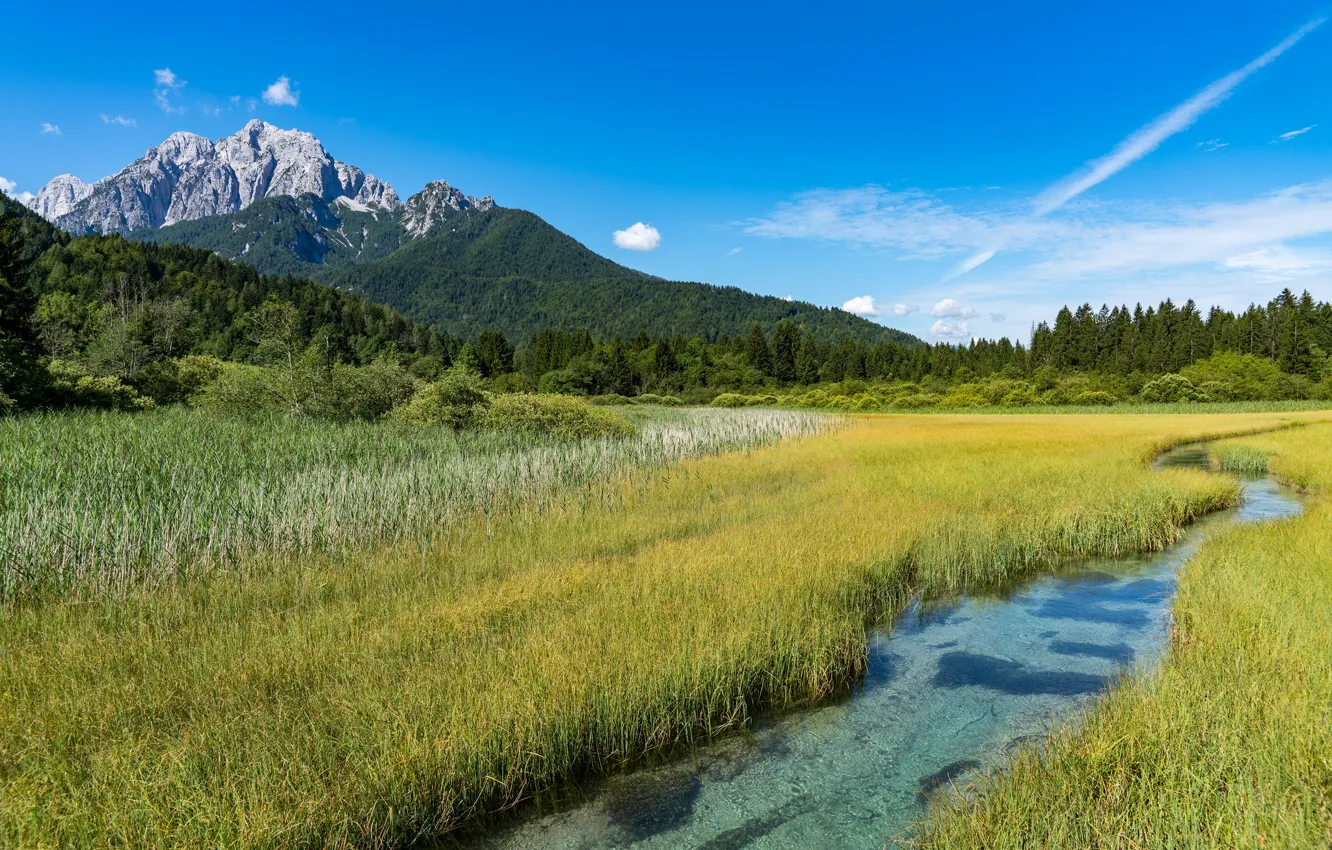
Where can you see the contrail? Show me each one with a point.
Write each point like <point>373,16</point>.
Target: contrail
<point>1144,141</point>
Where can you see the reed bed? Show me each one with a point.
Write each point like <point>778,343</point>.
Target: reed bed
<point>108,503</point>
<point>397,693</point>
<point>1229,742</point>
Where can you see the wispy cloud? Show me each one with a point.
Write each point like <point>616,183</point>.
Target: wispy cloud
<point>997,317</point>
<point>166,78</point>
<point>1213,145</point>
<point>862,305</point>
<point>1141,143</point>
<point>280,93</point>
<point>637,237</point>
<point>1150,137</point>
<point>905,309</point>
<point>118,119</point>
<point>734,251</point>
<point>166,88</point>
<point>50,129</point>
<point>1286,137</point>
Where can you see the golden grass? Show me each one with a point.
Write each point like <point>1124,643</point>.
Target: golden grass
<point>372,700</point>
<point>1229,742</point>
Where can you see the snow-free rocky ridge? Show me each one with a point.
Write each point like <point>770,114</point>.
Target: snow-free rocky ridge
<point>188,177</point>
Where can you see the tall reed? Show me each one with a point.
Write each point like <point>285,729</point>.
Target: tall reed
<point>105,503</point>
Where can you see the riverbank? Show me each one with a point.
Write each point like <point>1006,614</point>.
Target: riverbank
<point>372,700</point>
<point>1227,744</point>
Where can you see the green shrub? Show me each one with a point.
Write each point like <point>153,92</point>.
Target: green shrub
<point>918,400</point>
<point>238,389</point>
<point>174,381</point>
<point>661,400</point>
<point>1094,397</point>
<point>559,415</point>
<point>456,401</point>
<point>730,400</point>
<point>1171,389</point>
<point>511,382</point>
<point>1230,376</point>
<point>75,387</point>
<point>1021,396</point>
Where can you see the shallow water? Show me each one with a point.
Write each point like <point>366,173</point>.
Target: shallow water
<point>948,690</point>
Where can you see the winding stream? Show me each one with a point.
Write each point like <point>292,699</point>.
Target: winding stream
<point>948,689</point>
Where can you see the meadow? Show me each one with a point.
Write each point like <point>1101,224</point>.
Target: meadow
<point>97,503</point>
<point>379,695</point>
<point>1229,742</point>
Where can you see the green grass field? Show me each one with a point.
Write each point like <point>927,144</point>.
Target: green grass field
<point>376,695</point>
<point>110,503</point>
<point>1229,742</point>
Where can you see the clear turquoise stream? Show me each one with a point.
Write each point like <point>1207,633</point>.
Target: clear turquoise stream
<point>948,690</point>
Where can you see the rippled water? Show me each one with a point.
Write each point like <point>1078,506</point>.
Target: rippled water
<point>948,690</point>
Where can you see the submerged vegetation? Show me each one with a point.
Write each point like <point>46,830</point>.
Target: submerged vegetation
<point>1229,742</point>
<point>380,695</point>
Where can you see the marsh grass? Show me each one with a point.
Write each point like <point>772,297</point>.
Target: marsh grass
<point>108,503</point>
<point>1229,742</point>
<point>396,693</point>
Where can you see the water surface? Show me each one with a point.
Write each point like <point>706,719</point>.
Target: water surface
<point>949,689</point>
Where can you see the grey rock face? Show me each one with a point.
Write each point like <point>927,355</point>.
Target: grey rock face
<point>427,207</point>
<point>59,196</point>
<point>188,177</point>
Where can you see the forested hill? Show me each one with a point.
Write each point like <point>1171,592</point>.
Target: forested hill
<point>120,305</point>
<point>307,236</point>
<point>468,269</point>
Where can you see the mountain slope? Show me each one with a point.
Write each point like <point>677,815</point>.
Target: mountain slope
<point>274,199</point>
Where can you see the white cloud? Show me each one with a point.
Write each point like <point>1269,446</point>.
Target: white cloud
<point>1286,137</point>
<point>950,309</point>
<point>734,251</point>
<point>167,78</point>
<point>166,88</point>
<point>637,237</point>
<point>211,110</point>
<point>7,186</point>
<point>1117,243</point>
<point>996,317</point>
<point>281,94</point>
<point>951,330</point>
<point>24,198</point>
<point>118,119</point>
<point>235,100</point>
<point>1150,137</point>
<point>787,298</point>
<point>51,129</point>
<point>1213,145</point>
<point>905,309</point>
<point>862,305</point>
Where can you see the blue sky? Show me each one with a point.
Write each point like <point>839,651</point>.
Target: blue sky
<point>857,154</point>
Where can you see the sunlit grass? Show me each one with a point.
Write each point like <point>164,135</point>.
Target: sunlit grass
<point>1229,742</point>
<point>377,696</point>
<point>101,503</point>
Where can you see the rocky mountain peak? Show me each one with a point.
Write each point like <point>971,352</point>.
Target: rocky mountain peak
<point>429,206</point>
<point>188,177</point>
